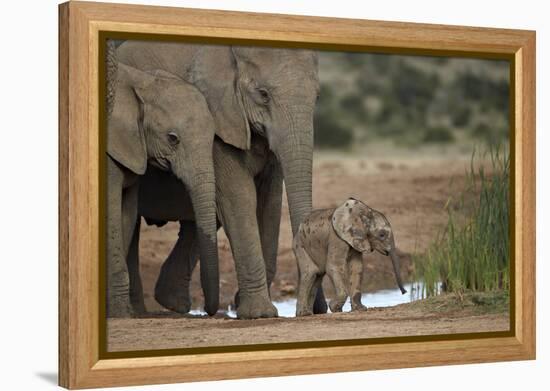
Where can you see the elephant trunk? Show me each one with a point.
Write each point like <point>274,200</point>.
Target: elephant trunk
<point>397,268</point>
<point>296,161</point>
<point>202,190</point>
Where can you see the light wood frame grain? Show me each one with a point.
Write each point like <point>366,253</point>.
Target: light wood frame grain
<point>80,24</point>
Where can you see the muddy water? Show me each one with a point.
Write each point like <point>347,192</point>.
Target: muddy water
<point>381,298</point>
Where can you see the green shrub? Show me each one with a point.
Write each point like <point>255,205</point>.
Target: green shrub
<point>353,59</point>
<point>470,85</point>
<point>326,95</point>
<point>461,115</point>
<point>438,134</point>
<point>412,86</point>
<point>491,135</point>
<point>381,62</point>
<point>491,94</point>
<point>352,105</point>
<point>329,132</point>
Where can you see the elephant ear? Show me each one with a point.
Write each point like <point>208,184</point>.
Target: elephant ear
<point>214,73</point>
<point>125,137</point>
<point>349,223</point>
<point>162,74</point>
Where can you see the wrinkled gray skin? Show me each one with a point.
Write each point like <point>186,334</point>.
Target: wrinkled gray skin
<point>162,121</point>
<point>262,100</point>
<point>332,241</point>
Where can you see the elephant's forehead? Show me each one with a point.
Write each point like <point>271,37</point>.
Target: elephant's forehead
<point>380,222</point>
<point>285,72</point>
<point>295,63</point>
<point>258,52</point>
<point>294,57</point>
<point>286,78</point>
<point>173,115</point>
<point>280,60</point>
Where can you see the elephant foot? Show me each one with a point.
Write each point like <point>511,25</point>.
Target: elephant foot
<point>172,289</point>
<point>255,306</point>
<point>356,304</point>
<point>138,305</point>
<point>119,307</point>
<point>359,307</point>
<point>176,300</point>
<point>139,309</point>
<point>336,305</point>
<point>303,312</point>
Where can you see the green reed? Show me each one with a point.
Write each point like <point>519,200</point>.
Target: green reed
<point>472,252</point>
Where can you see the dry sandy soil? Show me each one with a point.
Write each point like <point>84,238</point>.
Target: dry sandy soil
<point>441,315</point>
<point>412,191</point>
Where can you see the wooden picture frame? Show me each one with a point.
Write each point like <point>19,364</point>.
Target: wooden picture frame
<point>81,25</point>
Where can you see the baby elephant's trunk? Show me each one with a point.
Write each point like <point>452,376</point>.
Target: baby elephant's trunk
<point>397,269</point>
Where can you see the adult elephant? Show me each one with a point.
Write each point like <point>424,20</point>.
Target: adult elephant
<point>262,101</point>
<point>156,118</point>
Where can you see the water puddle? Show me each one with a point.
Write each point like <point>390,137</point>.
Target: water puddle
<point>381,298</point>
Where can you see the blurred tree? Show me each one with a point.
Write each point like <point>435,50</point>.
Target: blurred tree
<point>329,132</point>
<point>353,104</point>
<point>381,62</point>
<point>438,134</point>
<point>411,86</point>
<point>492,135</point>
<point>460,115</point>
<point>410,99</point>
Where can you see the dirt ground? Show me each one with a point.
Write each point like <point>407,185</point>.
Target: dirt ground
<point>440,315</point>
<point>410,190</point>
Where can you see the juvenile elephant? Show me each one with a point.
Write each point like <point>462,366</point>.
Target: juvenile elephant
<point>332,241</point>
<point>156,118</point>
<point>262,100</point>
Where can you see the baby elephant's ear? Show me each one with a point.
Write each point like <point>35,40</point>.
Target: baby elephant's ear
<point>349,226</point>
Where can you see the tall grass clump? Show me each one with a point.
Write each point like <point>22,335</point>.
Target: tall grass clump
<point>473,251</point>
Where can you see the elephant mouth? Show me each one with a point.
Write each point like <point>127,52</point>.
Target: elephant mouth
<point>161,163</point>
<point>258,128</point>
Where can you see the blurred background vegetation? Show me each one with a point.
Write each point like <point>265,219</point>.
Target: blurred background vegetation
<point>410,101</point>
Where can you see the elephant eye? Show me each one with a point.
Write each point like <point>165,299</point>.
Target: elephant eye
<point>382,234</point>
<point>264,94</point>
<point>173,138</point>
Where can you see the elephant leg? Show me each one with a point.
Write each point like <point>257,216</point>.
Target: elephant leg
<point>320,303</point>
<point>337,277</point>
<point>118,298</point>
<point>172,287</point>
<point>355,267</point>
<point>308,274</point>
<point>129,226</point>
<point>269,187</point>
<point>336,269</point>
<point>136,287</point>
<point>236,202</point>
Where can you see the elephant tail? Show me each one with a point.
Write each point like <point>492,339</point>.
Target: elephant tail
<point>111,72</point>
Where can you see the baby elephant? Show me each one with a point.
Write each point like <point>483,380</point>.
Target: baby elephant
<point>331,241</point>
